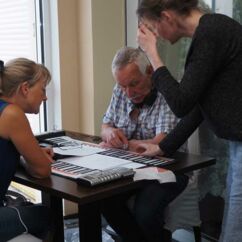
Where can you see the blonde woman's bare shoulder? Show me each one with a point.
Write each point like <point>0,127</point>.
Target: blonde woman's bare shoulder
<point>13,111</point>
<point>12,118</point>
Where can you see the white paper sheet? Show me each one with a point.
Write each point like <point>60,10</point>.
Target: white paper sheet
<point>97,161</point>
<point>83,150</point>
<point>133,165</point>
<point>151,173</point>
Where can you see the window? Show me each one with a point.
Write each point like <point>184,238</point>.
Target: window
<point>20,37</point>
<point>237,10</point>
<point>24,28</point>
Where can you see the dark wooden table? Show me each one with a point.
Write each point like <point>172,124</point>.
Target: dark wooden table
<point>56,188</point>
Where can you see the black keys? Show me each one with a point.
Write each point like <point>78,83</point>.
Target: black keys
<point>149,161</point>
<point>70,168</point>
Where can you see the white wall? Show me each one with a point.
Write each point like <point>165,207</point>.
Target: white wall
<point>85,36</point>
<point>90,32</point>
<point>131,22</point>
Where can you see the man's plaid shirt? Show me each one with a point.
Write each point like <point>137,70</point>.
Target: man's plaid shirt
<point>152,120</point>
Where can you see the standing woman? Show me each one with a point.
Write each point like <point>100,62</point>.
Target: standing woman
<point>22,90</point>
<point>212,83</point>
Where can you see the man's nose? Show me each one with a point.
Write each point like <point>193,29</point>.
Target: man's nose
<point>129,92</point>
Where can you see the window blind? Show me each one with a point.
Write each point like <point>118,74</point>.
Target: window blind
<point>18,38</point>
<point>17,29</point>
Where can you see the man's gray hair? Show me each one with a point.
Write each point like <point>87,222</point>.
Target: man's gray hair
<point>128,55</point>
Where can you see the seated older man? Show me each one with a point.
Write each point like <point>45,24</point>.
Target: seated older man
<point>138,113</point>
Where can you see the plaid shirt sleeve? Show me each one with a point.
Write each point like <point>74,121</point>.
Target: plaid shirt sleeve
<point>166,119</point>
<point>109,116</point>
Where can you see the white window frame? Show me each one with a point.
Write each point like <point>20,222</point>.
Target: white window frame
<point>224,7</point>
<point>51,53</point>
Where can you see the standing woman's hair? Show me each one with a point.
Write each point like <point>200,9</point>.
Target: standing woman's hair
<point>20,70</point>
<point>151,9</point>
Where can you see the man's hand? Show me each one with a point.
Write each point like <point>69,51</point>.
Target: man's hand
<point>103,144</point>
<point>115,138</point>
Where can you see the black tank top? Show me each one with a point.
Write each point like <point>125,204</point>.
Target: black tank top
<point>9,159</point>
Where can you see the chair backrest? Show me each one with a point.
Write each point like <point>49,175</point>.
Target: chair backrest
<point>183,212</point>
<point>25,238</point>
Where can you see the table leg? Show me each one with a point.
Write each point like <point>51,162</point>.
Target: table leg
<point>55,204</point>
<point>89,223</point>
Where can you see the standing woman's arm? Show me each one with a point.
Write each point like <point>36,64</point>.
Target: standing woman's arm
<point>176,138</point>
<point>147,41</point>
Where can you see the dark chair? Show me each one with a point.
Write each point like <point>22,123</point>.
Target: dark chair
<point>182,213</point>
<point>25,238</point>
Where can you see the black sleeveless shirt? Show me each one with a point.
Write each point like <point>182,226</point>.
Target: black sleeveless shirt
<point>9,159</point>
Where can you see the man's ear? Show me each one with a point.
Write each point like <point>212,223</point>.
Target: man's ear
<point>149,70</point>
<point>24,88</point>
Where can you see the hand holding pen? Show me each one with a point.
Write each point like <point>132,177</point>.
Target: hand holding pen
<point>115,138</point>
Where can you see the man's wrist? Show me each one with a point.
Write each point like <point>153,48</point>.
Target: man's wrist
<point>104,133</point>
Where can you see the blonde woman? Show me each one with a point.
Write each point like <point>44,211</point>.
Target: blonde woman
<point>22,90</point>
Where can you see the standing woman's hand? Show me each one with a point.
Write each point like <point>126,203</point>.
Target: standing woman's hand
<point>148,149</point>
<point>147,41</point>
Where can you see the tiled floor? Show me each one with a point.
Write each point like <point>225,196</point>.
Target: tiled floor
<point>72,234</point>
<point>182,235</point>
